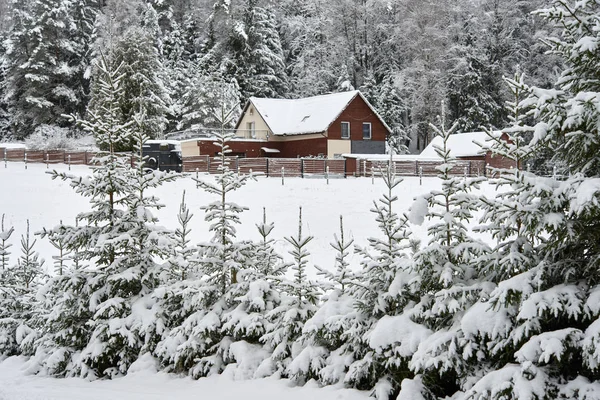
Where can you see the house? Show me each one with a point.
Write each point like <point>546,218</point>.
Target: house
<point>466,147</point>
<point>324,126</point>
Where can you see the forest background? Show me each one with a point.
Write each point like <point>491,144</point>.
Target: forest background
<point>406,56</point>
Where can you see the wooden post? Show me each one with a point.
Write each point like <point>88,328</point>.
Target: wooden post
<point>69,158</point>
<point>25,158</point>
<point>327,174</point>
<point>197,185</point>
<point>47,157</point>
<point>282,176</point>
<point>5,165</point>
<point>420,176</point>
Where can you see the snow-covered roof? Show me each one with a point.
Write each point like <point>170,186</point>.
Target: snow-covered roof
<point>304,116</point>
<point>269,150</point>
<point>460,144</point>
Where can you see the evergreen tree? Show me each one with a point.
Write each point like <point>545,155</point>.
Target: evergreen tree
<point>257,57</point>
<point>182,261</point>
<point>298,303</point>
<point>449,279</point>
<point>471,102</point>
<point>5,234</point>
<point>546,308</point>
<point>43,65</point>
<point>143,87</point>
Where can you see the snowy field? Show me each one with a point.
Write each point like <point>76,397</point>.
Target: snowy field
<point>32,194</point>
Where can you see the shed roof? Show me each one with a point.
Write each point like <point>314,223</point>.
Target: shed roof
<point>303,116</point>
<point>460,144</point>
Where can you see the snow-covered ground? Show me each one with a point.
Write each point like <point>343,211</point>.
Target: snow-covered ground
<point>15,385</point>
<point>31,194</point>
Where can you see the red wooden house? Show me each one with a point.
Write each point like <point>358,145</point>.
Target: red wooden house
<point>321,126</point>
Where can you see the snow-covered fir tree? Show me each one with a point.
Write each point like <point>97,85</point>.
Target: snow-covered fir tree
<point>326,329</point>
<point>299,297</point>
<point>544,344</point>
<point>20,308</point>
<point>122,247</point>
<point>449,282</point>
<point>44,72</point>
<point>202,343</point>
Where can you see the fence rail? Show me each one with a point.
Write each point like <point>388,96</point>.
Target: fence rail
<point>274,167</point>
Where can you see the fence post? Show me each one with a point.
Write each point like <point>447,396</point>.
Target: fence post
<point>416,167</point>
<point>365,168</point>
<point>69,158</point>
<point>554,172</point>
<point>267,167</point>
<point>372,175</point>
<point>208,163</point>
<point>282,176</point>
<point>25,158</point>
<point>302,167</point>
<point>197,178</point>
<point>420,176</point>
<point>327,174</point>
<point>5,165</point>
<point>466,171</point>
<point>47,159</point>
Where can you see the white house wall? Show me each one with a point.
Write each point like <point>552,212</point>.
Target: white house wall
<point>260,125</point>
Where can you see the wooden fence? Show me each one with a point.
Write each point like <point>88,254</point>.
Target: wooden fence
<point>316,167</point>
<point>420,168</point>
<point>275,167</point>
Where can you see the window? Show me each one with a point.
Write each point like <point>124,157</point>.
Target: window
<point>251,127</point>
<point>345,130</point>
<point>366,130</point>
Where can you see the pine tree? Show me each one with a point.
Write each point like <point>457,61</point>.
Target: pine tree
<point>43,68</point>
<point>470,83</point>
<point>298,303</point>
<point>143,87</point>
<point>202,341</point>
<point>5,234</point>
<point>449,279</point>
<point>326,330</point>
<point>258,63</point>
<point>546,308</point>
<point>182,262</point>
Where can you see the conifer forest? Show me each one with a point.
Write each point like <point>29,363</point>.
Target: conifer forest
<point>502,299</point>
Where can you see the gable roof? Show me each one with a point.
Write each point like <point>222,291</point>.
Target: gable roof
<point>303,116</point>
<point>460,144</point>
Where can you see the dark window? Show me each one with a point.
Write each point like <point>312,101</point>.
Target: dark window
<point>366,130</point>
<point>345,130</point>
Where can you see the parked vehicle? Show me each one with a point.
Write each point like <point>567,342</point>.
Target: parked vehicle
<point>164,155</point>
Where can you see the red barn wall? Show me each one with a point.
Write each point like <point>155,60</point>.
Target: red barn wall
<point>356,113</point>
<point>302,148</point>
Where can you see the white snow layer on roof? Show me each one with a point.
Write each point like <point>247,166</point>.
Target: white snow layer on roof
<point>301,116</point>
<point>460,145</point>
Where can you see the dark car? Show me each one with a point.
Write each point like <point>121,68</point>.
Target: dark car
<point>164,155</point>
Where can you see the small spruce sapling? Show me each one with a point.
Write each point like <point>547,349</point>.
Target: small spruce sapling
<point>5,234</point>
<point>182,262</point>
<point>298,304</point>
